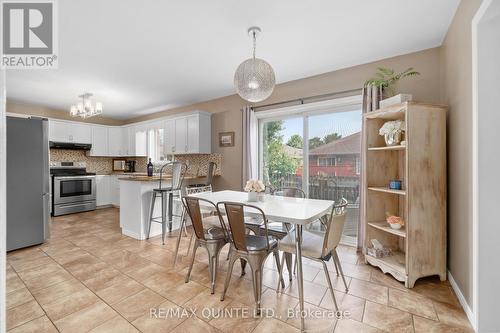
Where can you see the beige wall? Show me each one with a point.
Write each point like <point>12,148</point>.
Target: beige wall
<point>35,110</point>
<point>456,91</point>
<point>227,114</point>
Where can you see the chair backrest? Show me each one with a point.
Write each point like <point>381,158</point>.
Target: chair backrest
<point>198,189</point>
<point>292,192</point>
<point>269,189</point>
<point>335,227</point>
<point>212,166</point>
<point>235,214</point>
<point>178,172</point>
<point>192,205</point>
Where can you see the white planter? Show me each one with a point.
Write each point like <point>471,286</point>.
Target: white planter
<point>400,98</point>
<point>253,196</point>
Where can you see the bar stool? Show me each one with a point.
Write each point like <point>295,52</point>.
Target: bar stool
<point>212,166</point>
<point>167,197</point>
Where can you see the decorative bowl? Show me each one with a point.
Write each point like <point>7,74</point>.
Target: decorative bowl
<point>395,226</point>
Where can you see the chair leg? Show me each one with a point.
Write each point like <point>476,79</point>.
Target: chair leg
<point>232,259</point>
<point>335,264</point>
<point>279,267</point>
<point>288,260</point>
<point>330,285</point>
<point>256,267</point>
<point>153,199</point>
<point>280,278</point>
<point>170,197</point>
<point>163,217</point>
<point>195,247</point>
<point>183,221</point>
<point>337,259</point>
<point>189,246</point>
<point>213,262</point>
<point>243,265</point>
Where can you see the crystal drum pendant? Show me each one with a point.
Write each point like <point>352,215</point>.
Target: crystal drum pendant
<point>254,79</point>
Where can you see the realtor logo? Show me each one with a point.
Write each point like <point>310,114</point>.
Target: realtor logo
<point>29,38</point>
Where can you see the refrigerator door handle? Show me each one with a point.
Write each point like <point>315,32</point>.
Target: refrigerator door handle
<point>46,215</point>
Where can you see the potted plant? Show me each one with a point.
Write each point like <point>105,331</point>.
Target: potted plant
<point>387,80</point>
<point>254,187</point>
<point>391,131</point>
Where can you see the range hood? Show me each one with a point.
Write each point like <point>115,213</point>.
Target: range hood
<point>70,145</point>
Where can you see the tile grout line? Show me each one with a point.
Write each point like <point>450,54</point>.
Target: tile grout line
<point>41,307</point>
<point>83,283</point>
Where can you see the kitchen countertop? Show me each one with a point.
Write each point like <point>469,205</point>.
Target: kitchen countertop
<point>143,178</point>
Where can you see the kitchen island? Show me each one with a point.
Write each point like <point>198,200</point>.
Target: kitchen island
<point>135,203</point>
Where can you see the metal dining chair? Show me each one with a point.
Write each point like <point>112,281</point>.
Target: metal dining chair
<point>321,246</point>
<point>254,249</point>
<point>167,197</point>
<point>212,238</point>
<point>278,229</point>
<point>212,220</point>
<point>254,223</point>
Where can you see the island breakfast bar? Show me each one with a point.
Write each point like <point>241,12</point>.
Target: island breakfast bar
<point>135,203</point>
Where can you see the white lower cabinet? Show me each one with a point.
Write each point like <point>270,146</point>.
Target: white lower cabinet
<point>115,190</point>
<point>103,195</point>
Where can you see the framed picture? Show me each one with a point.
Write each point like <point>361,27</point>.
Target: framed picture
<point>226,139</point>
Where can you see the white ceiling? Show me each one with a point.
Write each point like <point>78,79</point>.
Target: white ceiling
<point>139,57</point>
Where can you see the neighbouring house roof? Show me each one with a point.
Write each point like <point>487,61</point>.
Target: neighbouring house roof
<point>292,151</point>
<point>345,146</point>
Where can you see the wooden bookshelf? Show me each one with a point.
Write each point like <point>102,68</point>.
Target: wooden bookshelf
<point>419,248</point>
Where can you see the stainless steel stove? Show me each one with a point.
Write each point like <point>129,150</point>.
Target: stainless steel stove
<point>73,189</point>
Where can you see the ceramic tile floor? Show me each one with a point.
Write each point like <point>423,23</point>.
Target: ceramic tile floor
<point>90,278</point>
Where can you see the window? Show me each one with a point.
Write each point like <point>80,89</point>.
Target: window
<point>156,142</point>
<point>326,161</point>
<point>316,149</point>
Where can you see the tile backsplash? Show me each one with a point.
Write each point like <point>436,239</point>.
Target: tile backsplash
<point>197,163</point>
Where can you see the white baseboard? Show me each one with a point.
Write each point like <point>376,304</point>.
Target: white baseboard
<point>461,299</point>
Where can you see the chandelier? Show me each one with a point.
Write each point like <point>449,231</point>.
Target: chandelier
<point>254,79</point>
<point>85,108</point>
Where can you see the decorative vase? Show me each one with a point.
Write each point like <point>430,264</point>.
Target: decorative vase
<point>392,139</point>
<point>253,197</point>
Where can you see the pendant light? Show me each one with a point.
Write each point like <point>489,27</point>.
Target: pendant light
<point>254,79</point>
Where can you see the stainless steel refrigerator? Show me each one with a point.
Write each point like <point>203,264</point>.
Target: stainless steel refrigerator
<point>28,179</point>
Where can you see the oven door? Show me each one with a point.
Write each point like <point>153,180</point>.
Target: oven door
<point>69,189</point>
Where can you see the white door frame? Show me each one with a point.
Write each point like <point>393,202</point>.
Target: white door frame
<point>481,15</point>
<point>3,202</point>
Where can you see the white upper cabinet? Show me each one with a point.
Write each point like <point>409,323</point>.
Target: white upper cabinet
<point>169,136</point>
<point>138,141</point>
<point>181,136</point>
<point>115,144</point>
<point>99,141</point>
<point>61,131</point>
<point>188,135</point>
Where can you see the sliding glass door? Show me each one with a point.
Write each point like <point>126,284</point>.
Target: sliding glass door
<point>334,163</point>
<point>318,151</point>
<point>282,152</point>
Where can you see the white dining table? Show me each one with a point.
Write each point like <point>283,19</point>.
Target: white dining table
<point>297,211</point>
